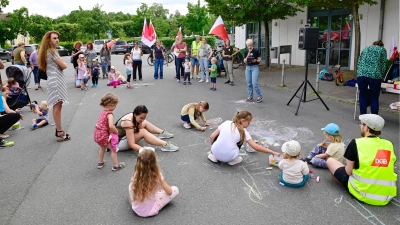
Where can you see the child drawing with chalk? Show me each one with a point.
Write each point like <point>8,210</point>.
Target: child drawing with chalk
<point>192,112</point>
<point>332,146</point>
<point>295,172</point>
<point>145,194</point>
<point>230,136</point>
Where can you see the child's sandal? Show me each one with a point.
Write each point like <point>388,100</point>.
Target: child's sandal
<point>62,136</point>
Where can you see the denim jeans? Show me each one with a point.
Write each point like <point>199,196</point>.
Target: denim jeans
<point>372,93</point>
<point>36,75</point>
<point>180,70</point>
<point>204,68</point>
<point>252,73</point>
<point>158,63</point>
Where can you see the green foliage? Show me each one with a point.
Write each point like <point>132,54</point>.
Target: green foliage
<point>3,3</point>
<point>38,26</point>
<point>68,31</point>
<point>15,23</point>
<point>196,18</point>
<point>67,45</point>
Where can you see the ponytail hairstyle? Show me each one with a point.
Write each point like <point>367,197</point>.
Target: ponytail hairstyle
<point>125,57</point>
<point>334,138</point>
<point>197,108</point>
<point>378,42</point>
<point>140,109</point>
<point>245,115</point>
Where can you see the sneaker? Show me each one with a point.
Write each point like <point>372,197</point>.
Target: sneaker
<point>4,143</point>
<point>34,126</point>
<point>100,165</point>
<point>211,88</point>
<point>121,165</point>
<point>197,77</point>
<point>214,89</point>
<point>178,81</point>
<point>191,77</point>
<point>165,135</point>
<point>169,148</point>
<point>259,99</point>
<point>186,125</point>
<point>134,79</point>
<point>239,159</point>
<point>249,99</point>
<point>97,85</point>
<point>184,82</point>
<point>189,83</point>
<point>161,78</point>
<point>207,81</point>
<point>306,159</point>
<point>129,87</point>
<point>201,81</point>
<point>227,82</point>
<point>93,85</point>
<point>156,78</point>
<point>212,158</point>
<point>141,79</point>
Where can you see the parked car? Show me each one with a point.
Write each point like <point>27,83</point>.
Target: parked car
<point>145,49</point>
<point>28,51</point>
<point>83,48</point>
<point>63,51</point>
<point>98,44</point>
<point>120,47</point>
<point>5,55</point>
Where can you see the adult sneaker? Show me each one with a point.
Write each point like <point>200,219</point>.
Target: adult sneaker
<point>165,135</point>
<point>4,143</point>
<point>207,81</point>
<point>249,99</point>
<point>239,159</point>
<point>201,80</point>
<point>178,81</point>
<point>259,99</point>
<point>212,158</point>
<point>169,148</point>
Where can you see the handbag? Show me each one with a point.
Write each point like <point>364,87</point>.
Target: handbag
<point>71,60</point>
<point>42,74</point>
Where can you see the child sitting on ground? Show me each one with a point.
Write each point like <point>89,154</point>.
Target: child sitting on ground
<point>213,74</point>
<point>13,86</point>
<point>145,196</point>
<point>295,173</point>
<point>120,77</point>
<point>192,112</point>
<point>324,150</point>
<point>112,77</point>
<point>43,111</point>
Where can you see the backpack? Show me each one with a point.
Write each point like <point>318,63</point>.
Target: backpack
<point>321,74</point>
<point>327,76</point>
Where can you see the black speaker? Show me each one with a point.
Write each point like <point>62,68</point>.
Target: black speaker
<point>308,38</point>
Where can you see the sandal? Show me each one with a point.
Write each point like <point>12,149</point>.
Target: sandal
<point>121,165</point>
<point>4,136</point>
<point>62,136</point>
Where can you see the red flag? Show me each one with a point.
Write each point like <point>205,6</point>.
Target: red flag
<point>145,34</point>
<point>393,50</point>
<point>151,34</point>
<point>111,43</point>
<point>179,31</point>
<point>219,29</point>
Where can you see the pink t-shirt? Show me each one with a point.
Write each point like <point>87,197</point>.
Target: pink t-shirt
<point>149,207</point>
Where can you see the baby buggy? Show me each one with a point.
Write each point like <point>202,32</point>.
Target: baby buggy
<point>22,76</point>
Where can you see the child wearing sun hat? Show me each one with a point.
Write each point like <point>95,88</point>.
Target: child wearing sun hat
<point>295,173</point>
<point>332,146</point>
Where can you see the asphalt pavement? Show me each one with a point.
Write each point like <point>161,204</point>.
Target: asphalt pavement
<point>46,182</point>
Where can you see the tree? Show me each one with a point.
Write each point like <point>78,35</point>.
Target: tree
<point>350,4</point>
<point>13,24</point>
<point>3,4</point>
<point>68,31</point>
<point>157,11</point>
<point>196,18</point>
<point>38,26</point>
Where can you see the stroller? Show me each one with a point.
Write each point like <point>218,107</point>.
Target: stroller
<point>22,76</point>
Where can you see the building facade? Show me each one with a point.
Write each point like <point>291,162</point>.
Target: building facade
<point>336,36</point>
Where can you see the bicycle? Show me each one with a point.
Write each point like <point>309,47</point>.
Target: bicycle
<point>168,58</point>
<point>338,75</point>
<point>238,60</point>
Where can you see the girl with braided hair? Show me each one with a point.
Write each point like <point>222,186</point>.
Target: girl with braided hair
<point>229,137</point>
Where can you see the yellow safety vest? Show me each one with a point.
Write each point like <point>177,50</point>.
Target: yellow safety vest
<point>374,182</point>
<point>195,48</point>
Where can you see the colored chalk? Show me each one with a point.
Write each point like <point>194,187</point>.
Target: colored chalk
<point>268,168</point>
<point>282,184</point>
<point>310,171</point>
<point>317,179</point>
<point>311,175</point>
<point>211,128</point>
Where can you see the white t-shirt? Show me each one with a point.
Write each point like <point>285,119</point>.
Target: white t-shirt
<point>293,172</point>
<point>187,67</point>
<point>225,148</point>
<point>136,54</point>
<point>128,65</point>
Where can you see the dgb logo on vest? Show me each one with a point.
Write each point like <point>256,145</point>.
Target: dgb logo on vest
<point>382,158</point>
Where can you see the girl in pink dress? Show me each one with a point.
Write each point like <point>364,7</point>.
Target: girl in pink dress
<point>145,194</point>
<point>112,77</point>
<point>105,126</point>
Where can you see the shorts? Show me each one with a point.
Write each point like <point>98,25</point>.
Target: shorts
<point>194,61</point>
<point>341,175</point>
<point>213,80</point>
<point>40,120</point>
<point>128,72</point>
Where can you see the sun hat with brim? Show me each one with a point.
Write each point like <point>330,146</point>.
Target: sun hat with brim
<point>94,60</point>
<point>81,56</point>
<point>112,67</point>
<point>291,148</point>
<point>373,121</point>
<point>332,129</point>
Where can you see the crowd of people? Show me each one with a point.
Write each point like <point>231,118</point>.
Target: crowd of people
<point>368,174</point>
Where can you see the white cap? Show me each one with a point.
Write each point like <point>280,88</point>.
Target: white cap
<point>373,121</point>
<point>291,148</point>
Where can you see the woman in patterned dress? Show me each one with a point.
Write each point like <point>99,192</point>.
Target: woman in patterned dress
<point>50,62</point>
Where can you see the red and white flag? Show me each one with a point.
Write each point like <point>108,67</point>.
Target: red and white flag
<point>145,34</point>
<point>111,43</point>
<point>179,31</point>
<point>219,30</point>
<point>152,36</point>
<point>393,50</point>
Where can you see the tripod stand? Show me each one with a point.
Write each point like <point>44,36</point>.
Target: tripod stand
<point>302,97</point>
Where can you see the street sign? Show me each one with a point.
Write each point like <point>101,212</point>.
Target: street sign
<point>109,31</point>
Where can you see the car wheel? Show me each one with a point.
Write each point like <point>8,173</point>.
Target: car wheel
<point>8,59</point>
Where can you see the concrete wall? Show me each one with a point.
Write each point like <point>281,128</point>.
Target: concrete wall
<point>391,24</point>
<point>286,32</point>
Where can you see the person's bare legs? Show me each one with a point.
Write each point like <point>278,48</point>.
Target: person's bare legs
<point>333,165</point>
<point>197,70</point>
<point>42,123</point>
<point>101,153</point>
<point>151,128</point>
<point>149,138</point>
<point>57,115</point>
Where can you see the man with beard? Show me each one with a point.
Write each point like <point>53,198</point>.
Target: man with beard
<point>369,172</point>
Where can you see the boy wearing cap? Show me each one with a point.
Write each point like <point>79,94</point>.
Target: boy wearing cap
<point>332,146</point>
<point>369,172</point>
<point>295,173</point>
<point>95,70</point>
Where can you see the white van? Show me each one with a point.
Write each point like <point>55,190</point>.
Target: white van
<point>98,44</point>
